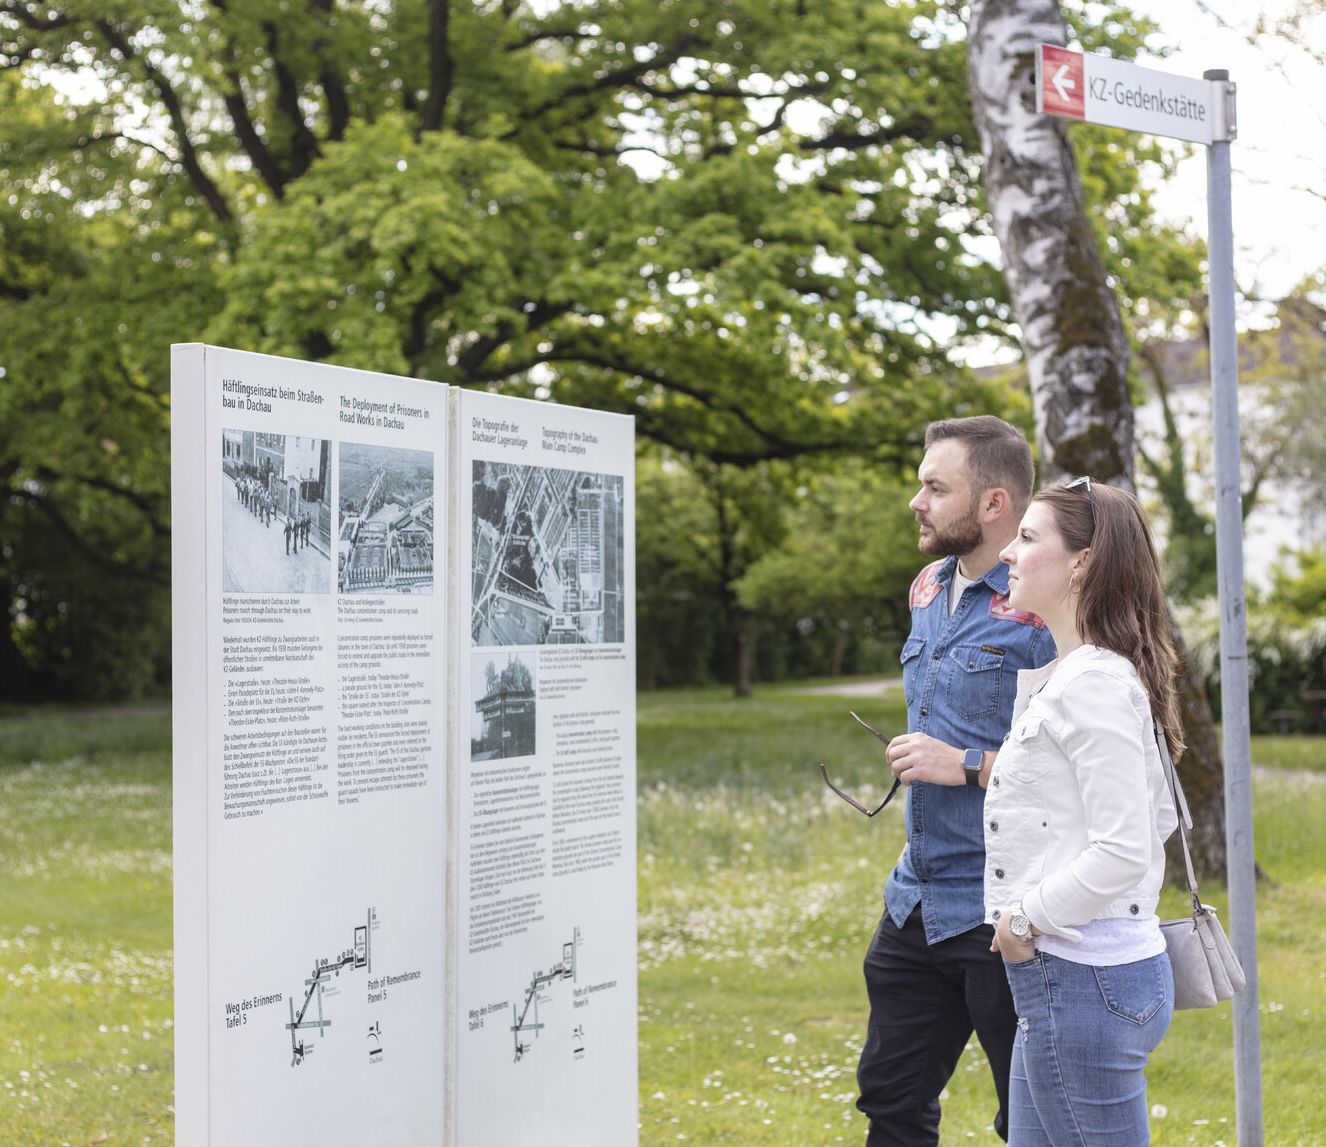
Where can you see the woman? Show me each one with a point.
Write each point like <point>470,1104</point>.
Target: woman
<point>1076,818</point>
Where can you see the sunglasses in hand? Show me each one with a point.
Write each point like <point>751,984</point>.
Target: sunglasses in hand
<point>856,804</point>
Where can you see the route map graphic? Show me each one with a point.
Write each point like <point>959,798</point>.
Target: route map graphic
<point>522,1021</point>
<point>322,984</point>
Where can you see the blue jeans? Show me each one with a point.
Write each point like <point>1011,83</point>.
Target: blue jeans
<point>1079,1057</point>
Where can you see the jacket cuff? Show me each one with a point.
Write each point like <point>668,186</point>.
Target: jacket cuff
<point>1034,906</point>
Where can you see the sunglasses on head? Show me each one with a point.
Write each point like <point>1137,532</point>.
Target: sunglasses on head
<point>1091,498</point>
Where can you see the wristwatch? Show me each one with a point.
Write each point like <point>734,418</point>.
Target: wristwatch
<point>1019,924</point>
<point>972,760</point>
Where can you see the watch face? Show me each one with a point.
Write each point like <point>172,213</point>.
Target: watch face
<point>1020,925</point>
<point>973,759</point>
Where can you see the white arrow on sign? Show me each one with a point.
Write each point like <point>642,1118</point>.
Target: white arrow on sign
<point>1062,84</point>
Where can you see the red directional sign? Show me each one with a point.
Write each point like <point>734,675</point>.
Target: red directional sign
<point>1118,93</point>
<point>1061,82</point>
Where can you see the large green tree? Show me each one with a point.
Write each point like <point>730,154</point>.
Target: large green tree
<point>757,225</point>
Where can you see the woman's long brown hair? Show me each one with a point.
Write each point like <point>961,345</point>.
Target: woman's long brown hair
<point>1122,605</point>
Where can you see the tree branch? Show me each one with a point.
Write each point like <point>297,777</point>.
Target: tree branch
<point>145,505</point>
<point>584,147</point>
<point>304,144</point>
<point>333,83</point>
<point>86,141</point>
<point>34,22</point>
<point>918,127</point>
<point>528,40</point>
<point>154,573</point>
<point>422,313</point>
<point>441,68</point>
<point>779,447</point>
<point>610,81</point>
<point>542,313</point>
<point>189,158</point>
<point>246,133</point>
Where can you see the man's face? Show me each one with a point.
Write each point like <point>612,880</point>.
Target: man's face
<point>946,506</point>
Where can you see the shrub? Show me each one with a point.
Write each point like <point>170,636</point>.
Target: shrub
<point>1286,663</point>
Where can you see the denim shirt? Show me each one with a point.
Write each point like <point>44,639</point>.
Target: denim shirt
<point>960,676</point>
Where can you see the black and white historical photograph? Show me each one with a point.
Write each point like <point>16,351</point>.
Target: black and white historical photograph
<point>386,542</point>
<point>276,513</point>
<point>502,686</point>
<point>547,556</point>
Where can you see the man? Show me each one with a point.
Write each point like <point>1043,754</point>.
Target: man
<point>929,971</point>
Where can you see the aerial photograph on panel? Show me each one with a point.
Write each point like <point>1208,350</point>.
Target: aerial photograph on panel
<point>548,557</point>
<point>386,541</point>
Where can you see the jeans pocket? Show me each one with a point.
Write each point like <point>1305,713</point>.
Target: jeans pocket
<point>1134,991</point>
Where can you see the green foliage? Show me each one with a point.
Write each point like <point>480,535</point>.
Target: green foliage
<point>1286,662</point>
<point>757,227</point>
<point>678,622</point>
<point>1298,587</point>
<point>382,228</point>
<point>843,573</point>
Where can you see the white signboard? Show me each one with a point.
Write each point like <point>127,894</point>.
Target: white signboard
<point>1116,93</point>
<point>309,764</point>
<point>545,956</point>
<point>405,885</point>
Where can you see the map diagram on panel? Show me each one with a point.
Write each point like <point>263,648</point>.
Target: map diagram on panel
<point>525,1022</point>
<point>313,1019</point>
<point>548,556</point>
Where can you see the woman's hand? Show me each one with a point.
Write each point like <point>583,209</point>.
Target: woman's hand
<point>1013,950</point>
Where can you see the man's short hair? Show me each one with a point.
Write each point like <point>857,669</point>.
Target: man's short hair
<point>997,454</point>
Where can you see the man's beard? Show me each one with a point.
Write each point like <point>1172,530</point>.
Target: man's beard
<point>958,539</point>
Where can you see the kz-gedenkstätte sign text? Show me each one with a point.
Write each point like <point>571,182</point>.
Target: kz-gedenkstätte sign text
<point>1115,93</point>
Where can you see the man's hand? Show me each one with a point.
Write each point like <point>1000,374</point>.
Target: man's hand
<point>920,757</point>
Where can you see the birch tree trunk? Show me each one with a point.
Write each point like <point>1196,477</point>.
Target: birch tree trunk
<point>1072,334</point>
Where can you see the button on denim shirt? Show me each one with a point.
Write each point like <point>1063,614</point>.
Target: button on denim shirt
<point>960,676</point>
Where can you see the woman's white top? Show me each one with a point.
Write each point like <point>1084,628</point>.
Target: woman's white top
<point>1078,810</point>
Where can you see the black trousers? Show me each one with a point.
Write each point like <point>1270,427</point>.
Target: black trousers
<point>925,1001</point>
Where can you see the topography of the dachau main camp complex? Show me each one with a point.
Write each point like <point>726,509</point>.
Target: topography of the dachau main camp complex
<point>547,556</point>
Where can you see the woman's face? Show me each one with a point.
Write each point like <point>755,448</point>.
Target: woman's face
<point>1039,565</point>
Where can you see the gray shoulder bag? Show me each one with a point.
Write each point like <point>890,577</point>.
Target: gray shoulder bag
<point>1206,970</point>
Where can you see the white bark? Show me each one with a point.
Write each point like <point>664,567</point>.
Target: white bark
<point>1072,335</point>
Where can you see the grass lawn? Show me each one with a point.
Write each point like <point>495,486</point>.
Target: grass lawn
<point>758,895</point>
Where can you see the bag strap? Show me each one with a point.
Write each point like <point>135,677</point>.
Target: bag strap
<point>1181,808</point>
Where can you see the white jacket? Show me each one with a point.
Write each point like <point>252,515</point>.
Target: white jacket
<point>1078,807</point>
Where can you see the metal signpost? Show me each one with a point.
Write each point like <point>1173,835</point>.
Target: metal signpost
<point>1103,90</point>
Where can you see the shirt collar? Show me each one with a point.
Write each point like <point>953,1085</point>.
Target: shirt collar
<point>996,577</point>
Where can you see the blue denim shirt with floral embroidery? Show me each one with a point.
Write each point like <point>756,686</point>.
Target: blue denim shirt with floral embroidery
<point>959,673</point>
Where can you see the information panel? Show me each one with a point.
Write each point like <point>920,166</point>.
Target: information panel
<point>310,774</point>
<point>545,957</point>
<point>405,883</point>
